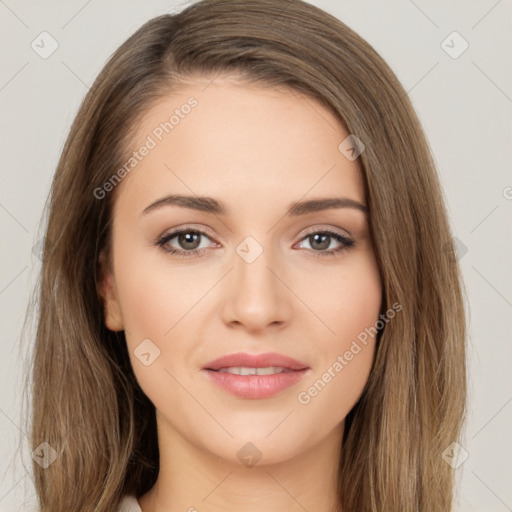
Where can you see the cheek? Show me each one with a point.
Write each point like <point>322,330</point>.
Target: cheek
<point>348,301</point>
<point>154,309</point>
<point>150,302</point>
<point>164,304</point>
<point>354,300</point>
<point>359,307</point>
<point>153,295</point>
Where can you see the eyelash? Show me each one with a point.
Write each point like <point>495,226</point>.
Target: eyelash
<point>346,242</point>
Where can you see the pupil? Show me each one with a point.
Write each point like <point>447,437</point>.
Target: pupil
<point>190,240</point>
<point>186,239</point>
<point>323,244</point>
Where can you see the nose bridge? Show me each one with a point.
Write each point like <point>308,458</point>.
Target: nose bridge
<point>256,296</point>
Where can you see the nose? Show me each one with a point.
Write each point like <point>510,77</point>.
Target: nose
<point>256,294</point>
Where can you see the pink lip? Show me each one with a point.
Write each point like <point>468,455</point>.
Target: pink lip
<point>255,361</point>
<point>255,386</point>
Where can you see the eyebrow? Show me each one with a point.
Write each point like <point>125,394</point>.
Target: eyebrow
<point>210,205</point>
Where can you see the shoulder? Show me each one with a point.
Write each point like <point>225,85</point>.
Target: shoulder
<point>129,504</point>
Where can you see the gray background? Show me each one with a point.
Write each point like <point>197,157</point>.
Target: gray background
<point>464,105</point>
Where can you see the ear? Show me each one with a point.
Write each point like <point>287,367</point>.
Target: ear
<point>108,292</point>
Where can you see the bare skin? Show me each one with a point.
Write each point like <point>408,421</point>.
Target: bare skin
<point>257,150</point>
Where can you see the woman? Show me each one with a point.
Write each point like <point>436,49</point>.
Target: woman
<point>249,296</point>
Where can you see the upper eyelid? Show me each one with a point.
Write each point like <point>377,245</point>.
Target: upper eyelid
<point>331,229</point>
<point>177,231</point>
<point>205,232</point>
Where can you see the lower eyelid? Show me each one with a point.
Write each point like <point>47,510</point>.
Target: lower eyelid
<point>344,240</point>
<point>341,238</point>
<point>165,239</point>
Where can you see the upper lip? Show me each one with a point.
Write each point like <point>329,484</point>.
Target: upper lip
<point>255,361</point>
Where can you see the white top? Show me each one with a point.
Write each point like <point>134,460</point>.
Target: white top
<point>129,504</point>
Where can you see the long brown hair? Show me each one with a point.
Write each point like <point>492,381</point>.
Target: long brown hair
<point>86,403</point>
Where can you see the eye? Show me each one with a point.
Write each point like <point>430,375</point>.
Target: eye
<point>188,241</point>
<point>319,241</point>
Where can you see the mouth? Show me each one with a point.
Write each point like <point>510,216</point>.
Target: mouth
<point>247,370</point>
<point>252,376</point>
<point>266,361</point>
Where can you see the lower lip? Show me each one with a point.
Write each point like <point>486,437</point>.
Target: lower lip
<point>255,386</point>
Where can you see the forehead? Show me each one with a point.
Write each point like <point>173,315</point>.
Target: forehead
<point>234,140</point>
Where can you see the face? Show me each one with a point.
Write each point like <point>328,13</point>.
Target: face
<point>284,289</point>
